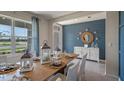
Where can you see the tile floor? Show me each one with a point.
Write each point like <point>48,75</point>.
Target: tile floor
<point>96,72</point>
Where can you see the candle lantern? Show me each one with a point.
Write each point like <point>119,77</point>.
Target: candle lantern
<point>45,52</point>
<point>57,51</point>
<point>26,62</point>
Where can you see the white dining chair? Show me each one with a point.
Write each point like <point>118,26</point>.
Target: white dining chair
<point>72,74</point>
<point>70,64</point>
<point>82,65</point>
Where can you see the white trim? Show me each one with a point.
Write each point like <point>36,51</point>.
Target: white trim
<point>110,75</point>
<point>13,45</point>
<point>102,60</point>
<point>15,19</point>
<point>119,79</point>
<point>105,67</point>
<point>60,35</point>
<point>21,20</point>
<point>9,17</point>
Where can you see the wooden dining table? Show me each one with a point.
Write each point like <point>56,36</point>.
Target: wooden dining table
<point>40,72</point>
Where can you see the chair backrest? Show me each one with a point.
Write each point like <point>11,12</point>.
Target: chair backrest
<point>3,60</point>
<point>81,71</point>
<point>70,64</point>
<point>72,74</point>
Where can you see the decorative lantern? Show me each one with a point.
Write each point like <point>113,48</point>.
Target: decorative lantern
<point>45,52</point>
<point>26,62</point>
<point>57,51</point>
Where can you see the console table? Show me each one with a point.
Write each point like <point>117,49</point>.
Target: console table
<point>92,53</point>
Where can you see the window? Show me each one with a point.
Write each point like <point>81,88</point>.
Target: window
<point>15,36</point>
<point>5,35</point>
<point>22,36</point>
<point>57,36</point>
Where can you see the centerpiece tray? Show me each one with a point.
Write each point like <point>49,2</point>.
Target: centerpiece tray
<point>55,65</point>
<point>9,68</point>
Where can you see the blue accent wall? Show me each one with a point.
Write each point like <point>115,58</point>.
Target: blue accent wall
<point>70,34</point>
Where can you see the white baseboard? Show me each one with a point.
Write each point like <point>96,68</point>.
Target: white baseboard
<point>119,79</point>
<point>102,60</point>
<point>113,76</point>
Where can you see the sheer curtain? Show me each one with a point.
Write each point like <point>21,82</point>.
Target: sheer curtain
<point>35,35</point>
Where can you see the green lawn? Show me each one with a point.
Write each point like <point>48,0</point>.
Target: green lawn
<point>7,43</point>
<point>8,50</point>
<point>22,49</point>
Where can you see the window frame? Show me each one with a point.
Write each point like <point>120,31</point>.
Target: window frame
<point>13,37</point>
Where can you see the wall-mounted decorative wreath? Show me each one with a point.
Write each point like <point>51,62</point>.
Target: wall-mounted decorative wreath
<point>87,37</point>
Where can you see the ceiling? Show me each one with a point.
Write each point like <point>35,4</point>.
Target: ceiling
<point>84,18</point>
<point>96,16</point>
<point>53,14</point>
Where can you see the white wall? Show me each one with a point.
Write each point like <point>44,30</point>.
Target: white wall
<point>43,23</point>
<point>43,27</point>
<point>112,43</point>
<point>50,24</point>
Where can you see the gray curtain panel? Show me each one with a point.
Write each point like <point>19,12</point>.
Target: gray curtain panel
<point>35,35</point>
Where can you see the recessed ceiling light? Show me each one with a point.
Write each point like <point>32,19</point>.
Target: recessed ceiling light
<point>89,16</point>
<point>75,19</point>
